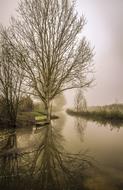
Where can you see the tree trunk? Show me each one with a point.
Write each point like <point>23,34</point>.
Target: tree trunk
<point>48,111</point>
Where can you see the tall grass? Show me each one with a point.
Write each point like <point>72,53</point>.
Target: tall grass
<point>101,115</point>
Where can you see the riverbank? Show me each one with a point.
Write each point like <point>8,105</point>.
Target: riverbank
<point>27,119</point>
<point>104,117</point>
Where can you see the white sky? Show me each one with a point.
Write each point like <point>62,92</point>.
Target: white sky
<point>105,31</point>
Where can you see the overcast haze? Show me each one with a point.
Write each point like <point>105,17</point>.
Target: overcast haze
<point>105,31</point>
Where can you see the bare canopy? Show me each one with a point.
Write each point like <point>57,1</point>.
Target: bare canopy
<point>55,56</point>
<point>11,78</point>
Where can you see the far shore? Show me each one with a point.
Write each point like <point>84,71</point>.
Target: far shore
<point>102,116</point>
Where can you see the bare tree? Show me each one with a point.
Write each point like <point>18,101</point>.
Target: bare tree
<point>11,79</point>
<point>55,57</point>
<point>80,101</point>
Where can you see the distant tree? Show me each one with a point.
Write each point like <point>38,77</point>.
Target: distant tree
<point>55,56</point>
<point>80,101</point>
<point>26,103</point>
<point>11,80</point>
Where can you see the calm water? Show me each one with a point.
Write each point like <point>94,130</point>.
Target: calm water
<point>70,154</point>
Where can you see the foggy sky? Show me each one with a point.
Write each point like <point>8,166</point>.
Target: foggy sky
<point>104,30</point>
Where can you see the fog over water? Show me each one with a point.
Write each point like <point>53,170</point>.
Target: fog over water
<point>104,30</point>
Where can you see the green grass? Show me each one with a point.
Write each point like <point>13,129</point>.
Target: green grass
<point>36,114</point>
<point>41,117</point>
<point>30,117</point>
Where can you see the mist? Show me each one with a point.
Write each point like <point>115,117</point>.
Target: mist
<point>104,30</point>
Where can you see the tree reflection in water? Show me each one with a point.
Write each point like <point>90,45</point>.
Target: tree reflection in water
<point>9,162</point>
<point>80,126</point>
<point>46,167</point>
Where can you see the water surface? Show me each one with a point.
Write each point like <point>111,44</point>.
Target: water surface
<point>70,153</point>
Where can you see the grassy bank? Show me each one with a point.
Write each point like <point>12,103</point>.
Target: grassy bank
<point>104,117</point>
<point>28,118</point>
